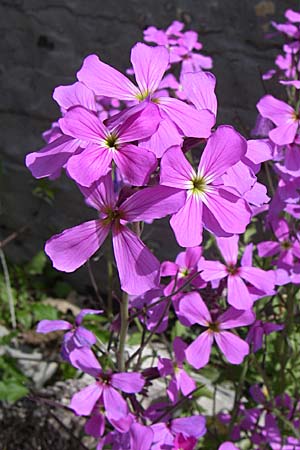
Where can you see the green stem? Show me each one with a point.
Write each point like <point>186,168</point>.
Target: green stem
<point>123,332</point>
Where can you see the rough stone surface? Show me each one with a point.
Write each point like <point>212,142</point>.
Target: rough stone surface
<point>42,45</point>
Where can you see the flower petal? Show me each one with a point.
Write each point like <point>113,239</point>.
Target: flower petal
<point>128,382</point>
<point>276,110</point>
<point>176,171</point>
<point>200,90</point>
<point>229,248</point>
<point>194,309</point>
<point>138,122</point>
<point>187,222</point>
<point>115,405</point>
<point>231,212</point>
<point>166,136</point>
<point>135,163</point>
<point>234,318</point>
<point>224,148</point>
<point>189,426</point>
<point>84,401</point>
<point>259,278</point>
<point>198,353</point>
<point>51,158</point>
<point>90,165</point>
<point>152,203</point>
<point>238,295</point>
<point>285,133</point>
<point>47,326</point>
<point>80,123</point>
<point>74,246</point>
<point>105,80</point>
<point>76,94</point>
<point>192,122</point>
<point>138,268</point>
<point>149,64</point>
<point>233,347</point>
<point>85,360</point>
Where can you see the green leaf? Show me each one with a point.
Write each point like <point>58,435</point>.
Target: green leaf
<point>37,264</point>
<point>11,391</point>
<point>24,318</point>
<point>42,312</point>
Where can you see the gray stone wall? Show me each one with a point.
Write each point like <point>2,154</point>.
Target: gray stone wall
<point>42,45</point>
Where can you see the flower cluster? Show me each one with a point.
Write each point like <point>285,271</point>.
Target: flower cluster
<point>145,149</point>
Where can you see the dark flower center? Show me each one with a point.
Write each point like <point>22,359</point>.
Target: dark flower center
<point>232,270</point>
<point>214,327</point>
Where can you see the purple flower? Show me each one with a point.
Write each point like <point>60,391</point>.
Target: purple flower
<point>234,348</point>
<point>287,247</point>
<point>227,446</point>
<point>104,389</point>
<point>190,428</point>
<point>238,294</point>
<point>208,201</point>
<point>149,64</point>
<point>283,115</point>
<point>105,144</point>
<point>186,265</point>
<point>138,437</point>
<point>76,337</point>
<point>180,380</point>
<point>138,268</point>
<point>257,331</point>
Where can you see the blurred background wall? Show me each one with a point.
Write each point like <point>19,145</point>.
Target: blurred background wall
<point>42,45</point>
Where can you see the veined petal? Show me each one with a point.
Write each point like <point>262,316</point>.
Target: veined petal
<point>115,406</point>
<point>187,222</point>
<point>285,133</point>
<point>259,278</point>
<point>83,124</point>
<point>268,248</point>
<point>128,382</point>
<point>47,326</point>
<point>234,318</point>
<point>194,309</point>
<point>90,165</point>
<point>153,203</point>
<point>213,270</point>
<point>189,426</point>
<point>238,295</point>
<point>176,171</point>
<point>86,312</point>
<point>192,256</point>
<point>138,268</point>
<point>233,347</point>
<point>166,136</point>
<point>276,110</point>
<point>84,401</point>
<point>185,383</point>
<point>74,246</point>
<point>85,360</point>
<point>200,90</point>
<point>142,123</point>
<point>198,353</point>
<point>101,193</point>
<point>51,158</point>
<point>141,437</point>
<point>229,248</point>
<point>105,80</point>
<point>191,121</point>
<point>135,163</point>
<point>224,148</point>
<point>230,211</point>
<point>76,94</point>
<point>149,64</point>
<point>246,259</point>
